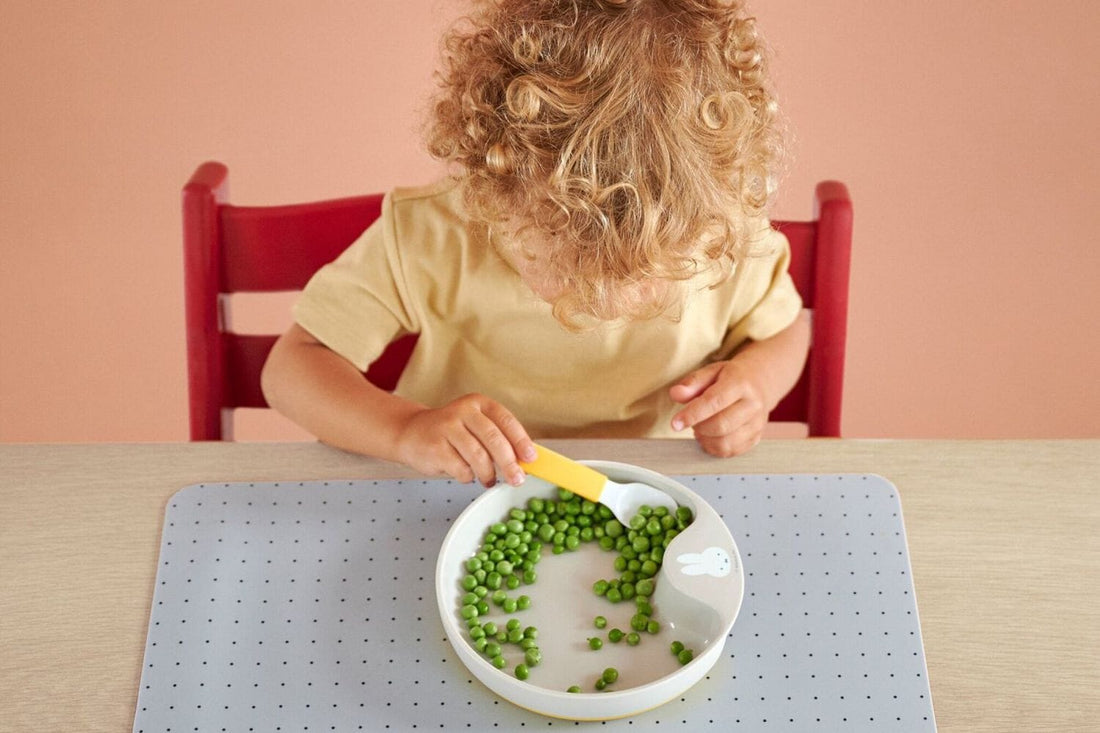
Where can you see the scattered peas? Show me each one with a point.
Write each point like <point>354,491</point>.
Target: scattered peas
<point>511,549</point>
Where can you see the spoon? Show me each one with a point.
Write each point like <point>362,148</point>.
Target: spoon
<point>624,500</point>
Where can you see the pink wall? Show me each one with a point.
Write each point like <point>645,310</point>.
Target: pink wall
<point>966,132</point>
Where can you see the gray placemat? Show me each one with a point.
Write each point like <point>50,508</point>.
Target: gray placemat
<point>311,607</point>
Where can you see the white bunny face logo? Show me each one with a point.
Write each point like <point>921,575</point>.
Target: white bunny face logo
<point>713,561</point>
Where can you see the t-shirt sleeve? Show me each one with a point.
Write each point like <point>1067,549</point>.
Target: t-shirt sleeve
<point>357,304</point>
<point>774,301</point>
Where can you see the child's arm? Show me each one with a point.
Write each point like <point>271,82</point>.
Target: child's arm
<point>728,402</point>
<point>324,393</point>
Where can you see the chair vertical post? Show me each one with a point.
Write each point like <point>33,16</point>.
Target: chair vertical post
<point>202,194</point>
<point>833,212</point>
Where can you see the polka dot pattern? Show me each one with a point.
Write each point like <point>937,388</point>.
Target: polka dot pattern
<point>310,607</point>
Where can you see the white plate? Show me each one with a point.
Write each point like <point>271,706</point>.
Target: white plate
<point>696,604</point>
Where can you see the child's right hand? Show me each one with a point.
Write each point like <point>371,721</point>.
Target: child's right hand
<point>467,439</point>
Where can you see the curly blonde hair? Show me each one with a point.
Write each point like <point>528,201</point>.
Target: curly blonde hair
<point>640,137</point>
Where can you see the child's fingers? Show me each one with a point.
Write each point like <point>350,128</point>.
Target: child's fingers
<point>692,385</point>
<point>470,449</point>
<point>497,433</point>
<point>728,420</point>
<point>506,441</point>
<point>712,401</point>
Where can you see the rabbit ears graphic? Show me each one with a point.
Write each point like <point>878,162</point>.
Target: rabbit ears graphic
<point>713,561</point>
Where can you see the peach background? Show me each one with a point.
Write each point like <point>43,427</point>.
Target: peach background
<point>966,131</point>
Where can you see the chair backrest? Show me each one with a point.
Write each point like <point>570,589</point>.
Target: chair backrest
<point>821,253</point>
<point>235,249</point>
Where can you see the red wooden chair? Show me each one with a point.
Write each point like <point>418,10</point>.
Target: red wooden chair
<point>233,249</point>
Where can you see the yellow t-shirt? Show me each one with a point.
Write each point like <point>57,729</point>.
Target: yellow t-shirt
<point>422,268</point>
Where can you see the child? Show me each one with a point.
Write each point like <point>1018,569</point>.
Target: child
<point>599,265</point>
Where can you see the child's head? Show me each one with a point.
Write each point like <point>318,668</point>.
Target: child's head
<point>629,141</point>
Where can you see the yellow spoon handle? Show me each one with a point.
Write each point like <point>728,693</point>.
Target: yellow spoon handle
<point>566,473</point>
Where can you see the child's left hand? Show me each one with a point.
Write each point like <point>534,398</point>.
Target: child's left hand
<point>724,402</point>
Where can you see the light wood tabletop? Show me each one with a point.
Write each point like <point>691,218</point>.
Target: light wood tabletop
<point>1002,537</point>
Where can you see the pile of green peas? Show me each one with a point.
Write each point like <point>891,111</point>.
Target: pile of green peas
<point>506,560</point>
<point>512,548</point>
<point>641,548</point>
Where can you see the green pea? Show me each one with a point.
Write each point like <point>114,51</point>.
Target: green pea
<point>504,567</point>
<point>614,595</point>
<point>482,608</point>
<point>564,494</point>
<point>685,656</point>
<point>492,649</point>
<point>533,657</point>
<point>600,622</point>
<point>574,688</point>
<point>610,675</point>
<point>499,528</point>
<point>653,626</point>
<point>633,638</point>
<point>530,576</point>
<point>523,603</point>
<point>490,628</point>
<point>522,672</point>
<point>481,643</point>
<point>638,621</point>
<point>509,605</point>
<point>493,580</point>
<point>469,582</point>
<point>473,564</point>
<point>512,582</point>
<point>468,612</point>
<point>512,623</point>
<point>498,661</point>
<point>613,528</point>
<point>498,597</point>
<point>526,643</point>
<point>615,636</point>
<point>476,632</point>
<point>643,605</point>
<point>531,633</point>
<point>515,636</point>
<point>683,514</point>
<point>606,543</point>
<point>595,642</point>
<point>676,647</point>
<point>600,684</point>
<point>600,587</point>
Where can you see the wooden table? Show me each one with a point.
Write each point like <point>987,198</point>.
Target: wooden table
<point>1003,538</point>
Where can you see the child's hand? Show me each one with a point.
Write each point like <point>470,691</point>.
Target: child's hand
<point>724,403</point>
<point>466,439</point>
